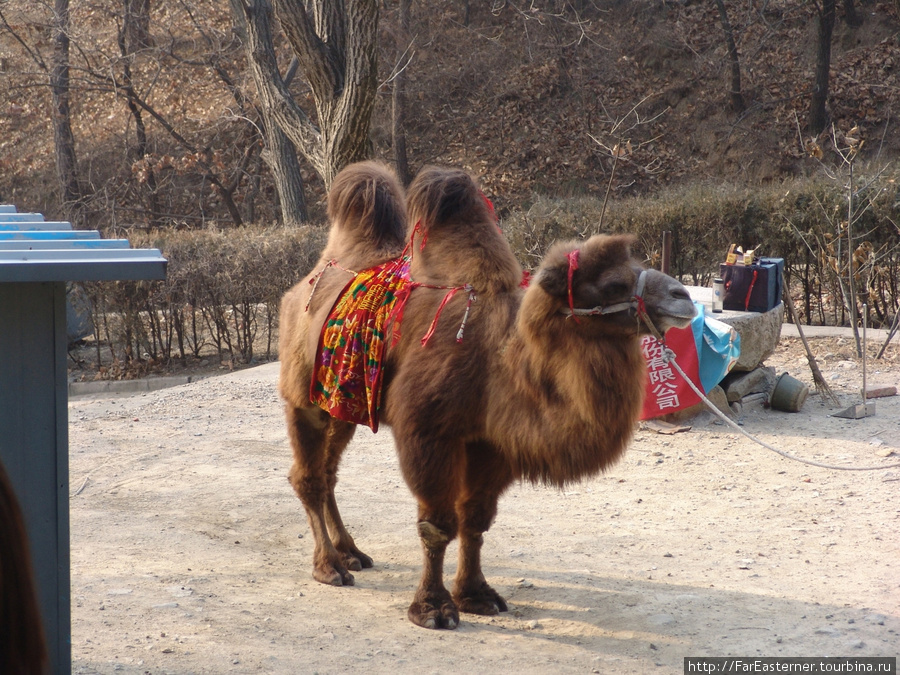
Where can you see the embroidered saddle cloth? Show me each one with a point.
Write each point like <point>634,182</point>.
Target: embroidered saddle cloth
<point>348,371</point>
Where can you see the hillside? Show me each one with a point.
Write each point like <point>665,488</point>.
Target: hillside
<point>531,101</point>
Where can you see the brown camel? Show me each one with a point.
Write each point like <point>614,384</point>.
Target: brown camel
<point>542,384</point>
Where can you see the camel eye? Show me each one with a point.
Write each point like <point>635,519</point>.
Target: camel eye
<point>617,288</point>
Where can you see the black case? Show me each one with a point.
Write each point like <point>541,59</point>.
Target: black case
<point>753,288</point>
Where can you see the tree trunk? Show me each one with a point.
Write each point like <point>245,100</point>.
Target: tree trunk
<point>854,18</point>
<point>735,95</point>
<point>136,25</point>
<point>398,97</point>
<point>280,154</point>
<point>126,45</point>
<point>817,114</point>
<point>335,45</point>
<point>66,164</point>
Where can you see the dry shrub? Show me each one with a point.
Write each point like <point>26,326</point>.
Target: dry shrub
<point>798,221</point>
<point>223,287</point>
<point>221,294</point>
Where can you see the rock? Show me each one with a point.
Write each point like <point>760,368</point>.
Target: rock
<point>759,331</point>
<point>830,631</point>
<point>716,395</point>
<point>661,620</point>
<point>880,391</point>
<point>737,385</point>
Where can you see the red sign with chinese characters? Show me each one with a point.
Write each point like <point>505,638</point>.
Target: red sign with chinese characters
<point>667,391</point>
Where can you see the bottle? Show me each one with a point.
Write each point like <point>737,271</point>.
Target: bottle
<point>718,294</point>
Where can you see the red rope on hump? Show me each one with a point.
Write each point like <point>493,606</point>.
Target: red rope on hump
<point>395,320</point>
<point>489,204</point>
<point>573,265</point>
<point>437,315</point>
<point>493,213</point>
<point>424,233</point>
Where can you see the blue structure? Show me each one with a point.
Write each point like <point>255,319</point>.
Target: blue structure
<point>37,258</point>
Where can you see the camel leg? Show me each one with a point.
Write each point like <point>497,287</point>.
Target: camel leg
<point>433,606</point>
<point>337,439</point>
<point>487,476</point>
<point>308,430</point>
<point>434,483</point>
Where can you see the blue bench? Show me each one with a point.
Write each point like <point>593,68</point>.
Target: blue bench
<point>37,258</point>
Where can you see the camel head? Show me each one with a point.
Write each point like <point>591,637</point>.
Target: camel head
<point>602,287</point>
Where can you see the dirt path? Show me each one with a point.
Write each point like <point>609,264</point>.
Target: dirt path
<point>191,554</point>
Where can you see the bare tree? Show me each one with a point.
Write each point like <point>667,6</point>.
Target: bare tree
<point>854,18</point>
<point>133,35</point>
<point>136,24</point>
<point>64,139</point>
<point>818,116</point>
<point>280,153</point>
<point>735,95</point>
<point>398,94</point>
<point>335,45</point>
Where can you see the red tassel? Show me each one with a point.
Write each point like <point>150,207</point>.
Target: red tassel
<point>444,302</point>
<point>573,265</point>
<point>526,279</point>
<point>395,320</point>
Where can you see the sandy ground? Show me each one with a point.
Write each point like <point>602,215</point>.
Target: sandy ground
<point>191,554</point>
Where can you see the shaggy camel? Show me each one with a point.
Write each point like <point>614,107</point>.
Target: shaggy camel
<point>481,387</point>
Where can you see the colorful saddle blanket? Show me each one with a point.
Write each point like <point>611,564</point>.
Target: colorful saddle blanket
<point>349,360</point>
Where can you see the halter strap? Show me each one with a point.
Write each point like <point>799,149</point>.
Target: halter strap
<point>636,303</point>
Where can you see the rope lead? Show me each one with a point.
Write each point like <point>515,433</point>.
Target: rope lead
<point>669,356</point>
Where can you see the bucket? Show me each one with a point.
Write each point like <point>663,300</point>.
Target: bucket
<point>789,394</point>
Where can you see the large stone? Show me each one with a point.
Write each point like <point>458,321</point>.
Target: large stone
<point>739,384</point>
<point>759,331</point>
<point>716,396</point>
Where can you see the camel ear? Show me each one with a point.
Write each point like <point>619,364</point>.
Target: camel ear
<point>554,280</point>
<point>604,250</point>
<point>620,246</point>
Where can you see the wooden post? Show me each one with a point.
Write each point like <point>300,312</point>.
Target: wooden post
<point>666,252</point>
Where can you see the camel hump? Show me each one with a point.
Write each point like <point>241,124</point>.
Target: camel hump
<point>455,236</point>
<point>367,210</point>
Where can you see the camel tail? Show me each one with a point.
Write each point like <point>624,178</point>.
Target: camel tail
<point>367,208</point>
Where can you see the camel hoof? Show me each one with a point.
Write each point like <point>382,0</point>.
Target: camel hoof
<point>426,616</point>
<point>333,577</point>
<point>484,602</point>
<point>480,607</point>
<point>357,561</point>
